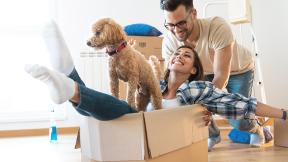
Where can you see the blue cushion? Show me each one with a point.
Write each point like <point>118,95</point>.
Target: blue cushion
<point>141,30</point>
<point>239,136</point>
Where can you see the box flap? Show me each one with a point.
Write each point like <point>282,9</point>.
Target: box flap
<point>77,142</point>
<point>123,138</point>
<point>172,129</point>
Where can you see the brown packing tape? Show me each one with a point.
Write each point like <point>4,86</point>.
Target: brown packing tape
<point>196,152</point>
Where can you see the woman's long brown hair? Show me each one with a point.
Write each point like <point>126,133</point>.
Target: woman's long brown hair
<point>197,64</point>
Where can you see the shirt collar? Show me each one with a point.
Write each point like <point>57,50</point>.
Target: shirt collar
<point>164,86</point>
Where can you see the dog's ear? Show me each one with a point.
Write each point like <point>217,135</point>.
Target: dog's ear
<point>114,32</point>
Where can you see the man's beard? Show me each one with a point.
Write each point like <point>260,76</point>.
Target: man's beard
<point>187,33</point>
<point>185,36</point>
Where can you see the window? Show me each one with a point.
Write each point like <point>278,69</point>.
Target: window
<point>22,97</point>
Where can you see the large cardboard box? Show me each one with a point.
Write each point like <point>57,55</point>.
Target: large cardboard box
<point>148,45</point>
<point>169,135</point>
<point>281,132</point>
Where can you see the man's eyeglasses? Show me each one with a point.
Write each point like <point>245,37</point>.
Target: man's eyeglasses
<point>181,24</point>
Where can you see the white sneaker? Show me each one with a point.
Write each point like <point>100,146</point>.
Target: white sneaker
<point>212,141</point>
<point>257,139</point>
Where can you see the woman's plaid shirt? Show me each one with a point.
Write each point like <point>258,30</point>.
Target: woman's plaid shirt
<point>220,102</point>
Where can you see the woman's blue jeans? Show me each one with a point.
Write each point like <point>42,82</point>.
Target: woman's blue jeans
<point>98,105</point>
<point>242,84</point>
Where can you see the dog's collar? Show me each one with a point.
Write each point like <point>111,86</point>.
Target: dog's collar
<point>122,46</point>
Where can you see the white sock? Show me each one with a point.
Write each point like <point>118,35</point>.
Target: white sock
<point>61,87</point>
<point>60,57</point>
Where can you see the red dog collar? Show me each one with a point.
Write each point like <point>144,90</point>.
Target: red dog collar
<point>122,46</point>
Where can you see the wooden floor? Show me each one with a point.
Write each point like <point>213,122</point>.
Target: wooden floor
<point>38,149</point>
<point>227,151</point>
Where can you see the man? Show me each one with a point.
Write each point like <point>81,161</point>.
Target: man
<point>226,63</point>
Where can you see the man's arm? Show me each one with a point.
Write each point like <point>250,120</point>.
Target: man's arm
<point>222,66</point>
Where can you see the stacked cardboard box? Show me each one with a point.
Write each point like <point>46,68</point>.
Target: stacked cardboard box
<point>169,135</point>
<point>148,46</point>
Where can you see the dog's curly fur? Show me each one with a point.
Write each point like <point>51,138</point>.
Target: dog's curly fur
<point>128,65</point>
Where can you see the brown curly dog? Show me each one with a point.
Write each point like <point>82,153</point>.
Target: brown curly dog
<point>127,64</point>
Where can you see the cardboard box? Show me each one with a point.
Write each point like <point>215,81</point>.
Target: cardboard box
<point>169,135</point>
<point>281,132</point>
<point>148,45</point>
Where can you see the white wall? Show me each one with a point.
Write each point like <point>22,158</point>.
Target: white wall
<point>272,37</point>
<point>75,18</point>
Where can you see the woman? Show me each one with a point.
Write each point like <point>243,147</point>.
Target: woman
<point>182,85</point>
<point>182,81</point>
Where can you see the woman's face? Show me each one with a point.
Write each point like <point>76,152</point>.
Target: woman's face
<point>182,61</point>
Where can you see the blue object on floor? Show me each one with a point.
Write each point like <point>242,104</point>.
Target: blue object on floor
<point>239,136</point>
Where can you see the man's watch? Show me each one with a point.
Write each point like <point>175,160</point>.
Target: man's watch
<point>284,116</point>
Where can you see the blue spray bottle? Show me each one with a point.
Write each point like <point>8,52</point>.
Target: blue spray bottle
<point>53,130</point>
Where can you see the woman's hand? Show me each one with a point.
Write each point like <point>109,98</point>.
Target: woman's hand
<point>207,117</point>
<point>132,43</point>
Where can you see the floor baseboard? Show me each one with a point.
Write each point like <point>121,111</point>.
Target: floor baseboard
<point>37,132</point>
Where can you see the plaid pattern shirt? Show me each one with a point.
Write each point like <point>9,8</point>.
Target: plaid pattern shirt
<point>217,101</point>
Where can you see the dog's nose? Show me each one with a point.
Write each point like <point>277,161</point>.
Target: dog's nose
<point>88,43</point>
